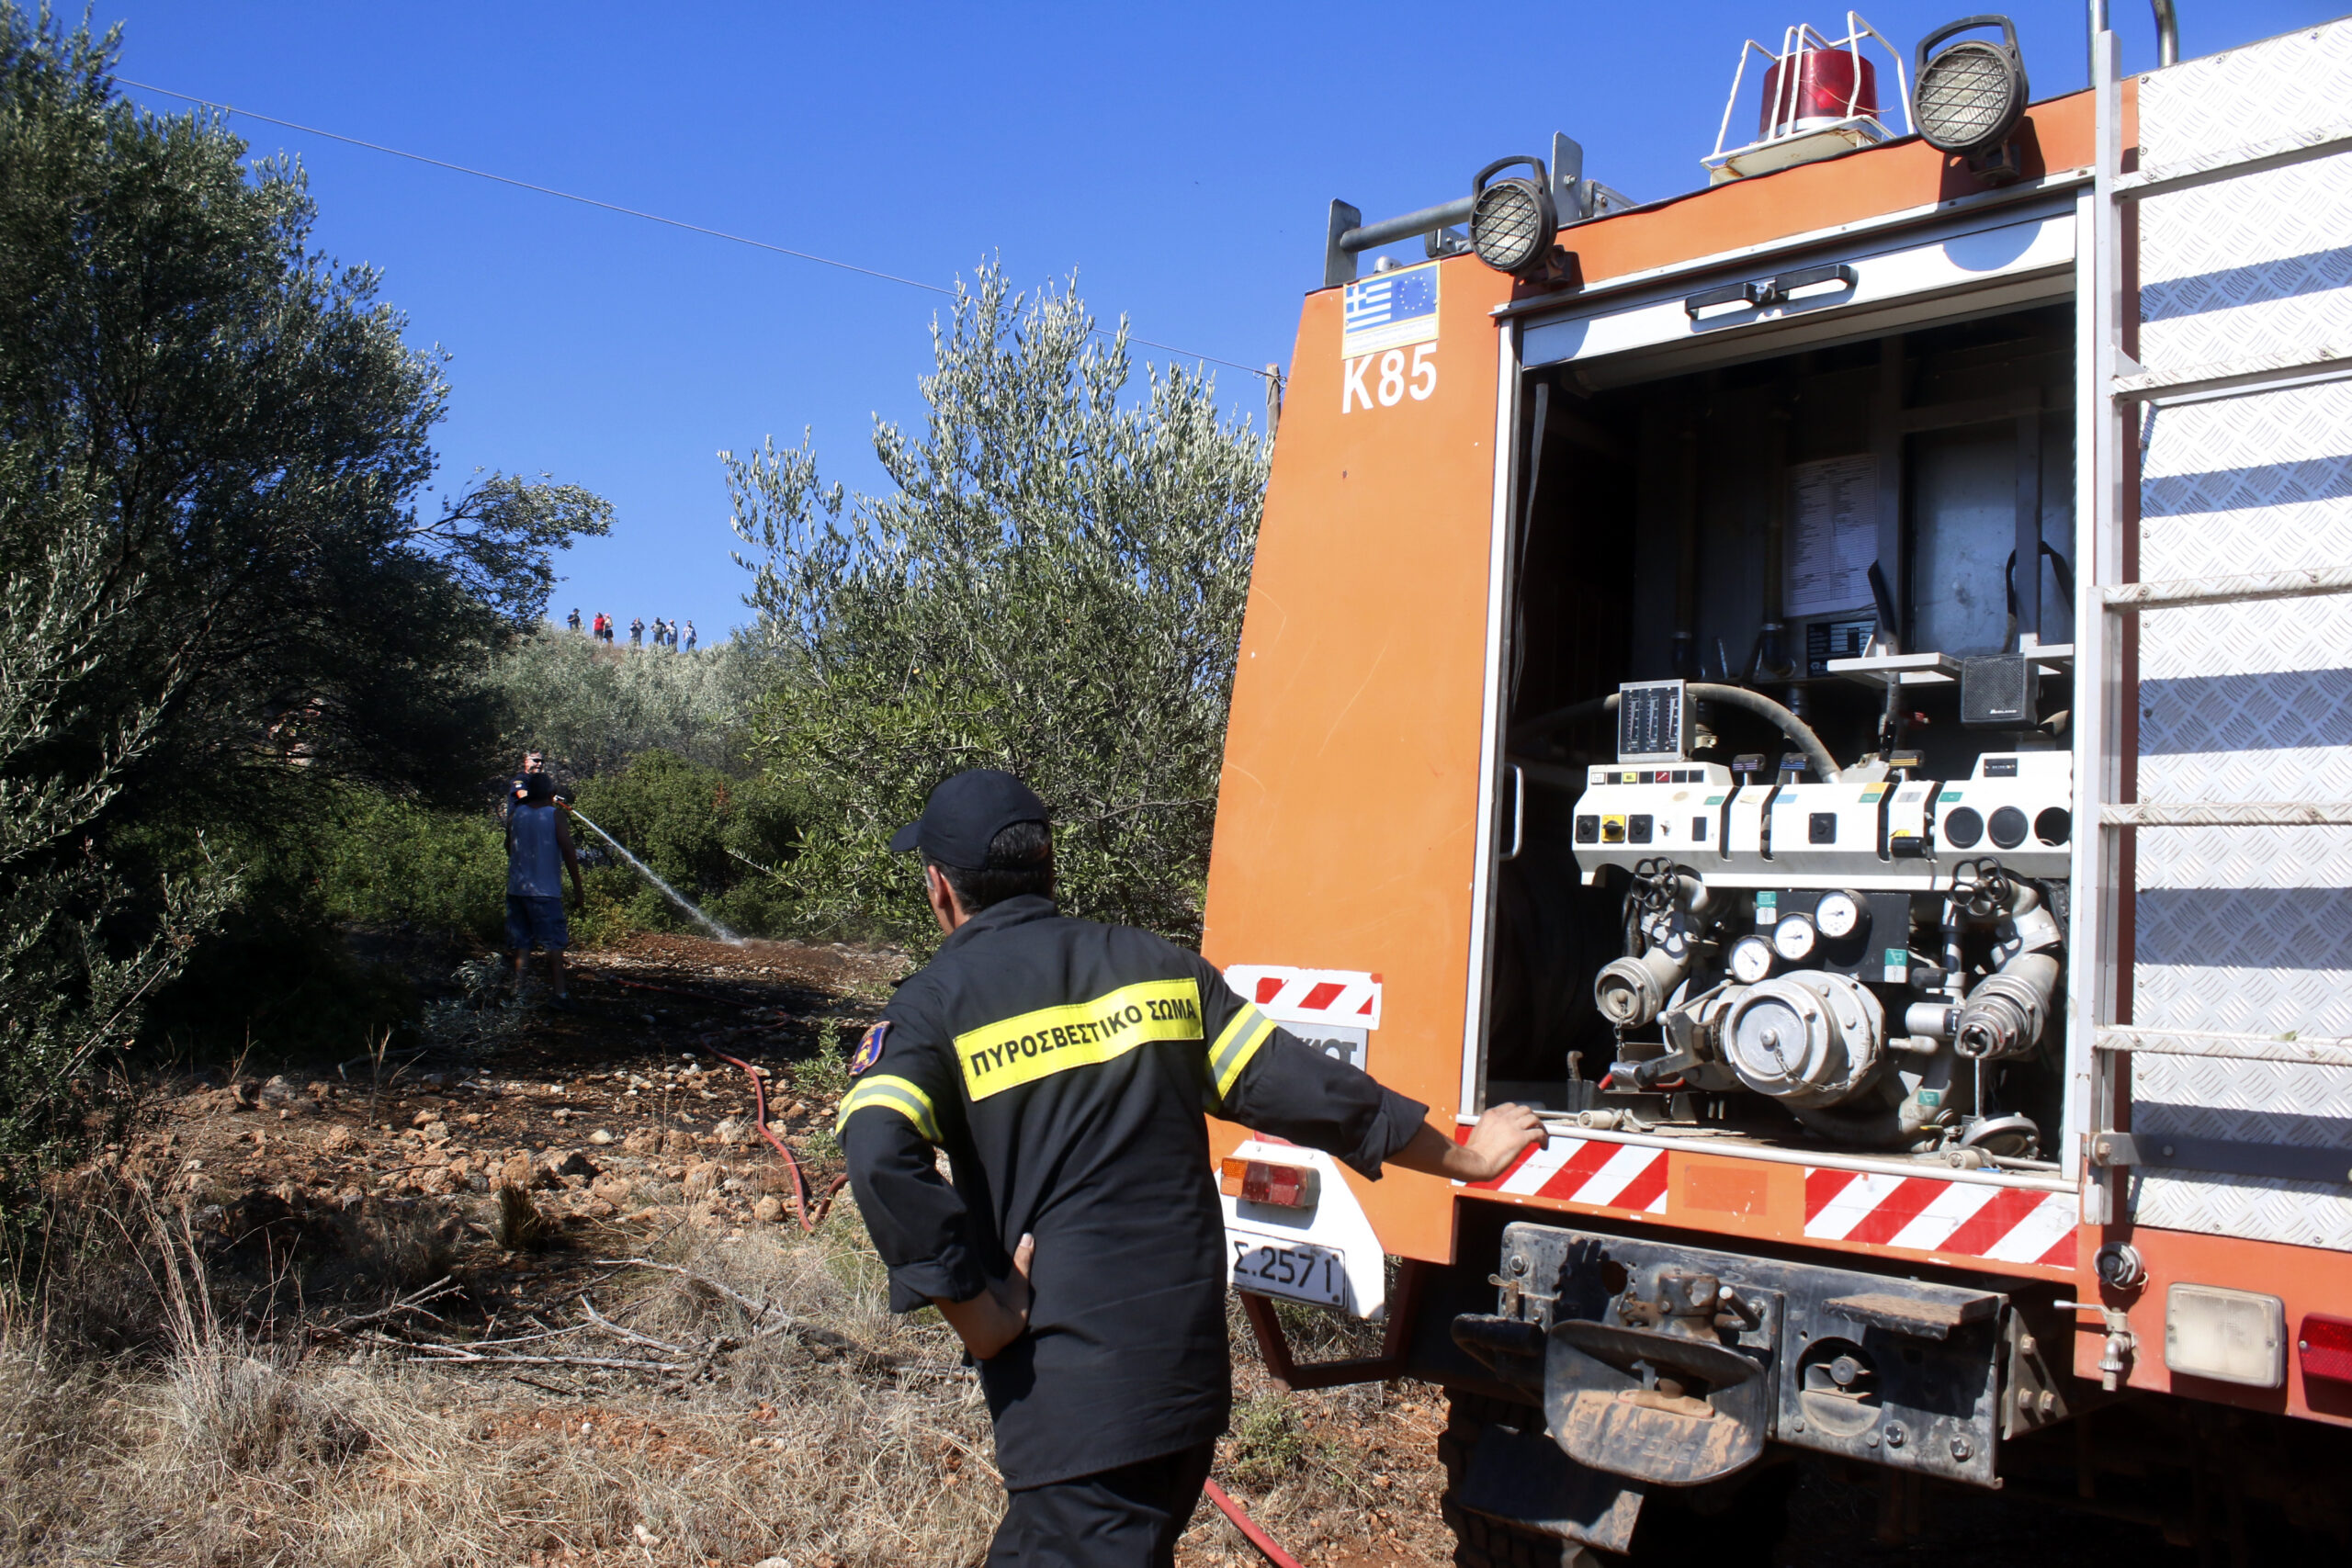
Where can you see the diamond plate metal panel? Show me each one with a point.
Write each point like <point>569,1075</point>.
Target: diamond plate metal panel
<point>2265,637</point>
<point>2297,1213</point>
<point>2254,483</point>
<point>2277,88</point>
<point>2235,1000</point>
<point>2258,266</point>
<point>2297,774</point>
<point>2251,267</point>
<point>2245,930</point>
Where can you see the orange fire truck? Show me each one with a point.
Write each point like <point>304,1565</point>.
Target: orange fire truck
<point>1832,687</point>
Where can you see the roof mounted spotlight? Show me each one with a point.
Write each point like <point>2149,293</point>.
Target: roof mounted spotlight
<point>1512,220</point>
<point>1969,96</point>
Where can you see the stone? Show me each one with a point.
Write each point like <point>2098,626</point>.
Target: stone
<point>767,1211</point>
<point>613,1187</point>
<point>600,1137</point>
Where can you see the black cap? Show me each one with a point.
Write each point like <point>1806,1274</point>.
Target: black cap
<point>965,813</point>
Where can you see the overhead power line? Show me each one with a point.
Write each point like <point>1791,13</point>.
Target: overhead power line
<point>635,212</point>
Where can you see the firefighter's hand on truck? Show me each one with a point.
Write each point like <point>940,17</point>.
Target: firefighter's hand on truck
<point>997,1315</point>
<point>1501,1135</point>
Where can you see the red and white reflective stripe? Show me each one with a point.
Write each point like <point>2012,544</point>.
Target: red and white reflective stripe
<point>1584,1171</point>
<point>1309,995</point>
<point>1918,1213</point>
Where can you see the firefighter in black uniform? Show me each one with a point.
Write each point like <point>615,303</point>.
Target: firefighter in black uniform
<point>1065,1067</point>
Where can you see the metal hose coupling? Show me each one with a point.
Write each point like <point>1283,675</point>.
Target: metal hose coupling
<point>2004,1015</point>
<point>1632,992</point>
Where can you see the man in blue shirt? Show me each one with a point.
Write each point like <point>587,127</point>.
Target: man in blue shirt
<point>538,851</point>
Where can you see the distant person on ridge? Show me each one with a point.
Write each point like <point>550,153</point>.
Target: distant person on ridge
<point>690,637</point>
<point>636,631</point>
<point>538,851</point>
<point>572,621</point>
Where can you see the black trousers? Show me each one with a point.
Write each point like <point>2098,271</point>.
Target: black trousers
<point>1127,1517</point>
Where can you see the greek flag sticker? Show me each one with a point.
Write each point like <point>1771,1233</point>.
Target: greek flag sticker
<point>1389,310</point>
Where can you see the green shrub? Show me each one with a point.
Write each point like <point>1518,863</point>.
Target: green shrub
<point>592,708</point>
<point>389,862</point>
<point>711,837</point>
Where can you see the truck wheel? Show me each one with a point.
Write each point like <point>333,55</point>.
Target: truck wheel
<point>1479,1542</point>
<point>1732,1524</point>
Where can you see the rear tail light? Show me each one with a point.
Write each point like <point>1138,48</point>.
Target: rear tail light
<point>2325,1346</point>
<point>2229,1335</point>
<point>1263,1182</point>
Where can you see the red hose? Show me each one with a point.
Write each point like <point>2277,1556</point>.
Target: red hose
<point>1249,1528</point>
<point>760,1102</point>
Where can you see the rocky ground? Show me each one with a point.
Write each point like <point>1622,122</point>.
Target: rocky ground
<point>538,1290</point>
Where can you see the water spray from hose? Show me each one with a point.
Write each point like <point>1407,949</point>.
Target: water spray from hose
<point>680,899</point>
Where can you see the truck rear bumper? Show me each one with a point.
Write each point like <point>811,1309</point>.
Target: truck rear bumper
<point>1667,1365</point>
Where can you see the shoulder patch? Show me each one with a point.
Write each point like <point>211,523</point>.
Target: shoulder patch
<point>869,1049</point>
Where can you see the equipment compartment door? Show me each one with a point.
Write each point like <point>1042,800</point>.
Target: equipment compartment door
<point>2239,927</point>
<point>1347,816</point>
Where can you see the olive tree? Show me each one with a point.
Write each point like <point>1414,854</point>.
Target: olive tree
<point>215,575</point>
<point>1054,586</point>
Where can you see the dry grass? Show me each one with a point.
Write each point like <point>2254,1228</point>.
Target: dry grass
<point>198,1385</point>
<point>223,1447</point>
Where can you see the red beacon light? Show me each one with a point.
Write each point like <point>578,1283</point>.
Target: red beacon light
<point>1820,98</point>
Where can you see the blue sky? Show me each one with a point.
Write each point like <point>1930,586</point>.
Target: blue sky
<point>1178,159</point>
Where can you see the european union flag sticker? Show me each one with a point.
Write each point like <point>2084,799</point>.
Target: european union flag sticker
<point>1389,309</point>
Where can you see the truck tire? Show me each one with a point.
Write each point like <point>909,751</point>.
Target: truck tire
<point>1479,1542</point>
<point>1730,1524</point>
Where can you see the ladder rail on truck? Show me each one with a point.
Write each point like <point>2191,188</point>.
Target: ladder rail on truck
<point>2114,1237</point>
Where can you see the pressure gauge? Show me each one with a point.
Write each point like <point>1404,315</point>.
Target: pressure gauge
<point>1751,959</point>
<point>1793,939</point>
<point>1840,915</point>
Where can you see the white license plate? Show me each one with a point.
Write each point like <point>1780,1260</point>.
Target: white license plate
<point>1294,1268</point>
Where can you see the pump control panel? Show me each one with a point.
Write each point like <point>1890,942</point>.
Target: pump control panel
<point>1892,833</point>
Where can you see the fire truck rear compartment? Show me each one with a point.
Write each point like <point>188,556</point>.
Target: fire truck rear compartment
<point>1711,934</point>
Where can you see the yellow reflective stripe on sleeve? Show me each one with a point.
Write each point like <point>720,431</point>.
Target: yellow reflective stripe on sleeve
<point>892,1094</point>
<point>1016,1051</point>
<point>1242,1039</point>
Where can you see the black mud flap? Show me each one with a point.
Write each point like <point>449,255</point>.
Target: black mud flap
<point>1651,1407</point>
<point>1522,1479</point>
